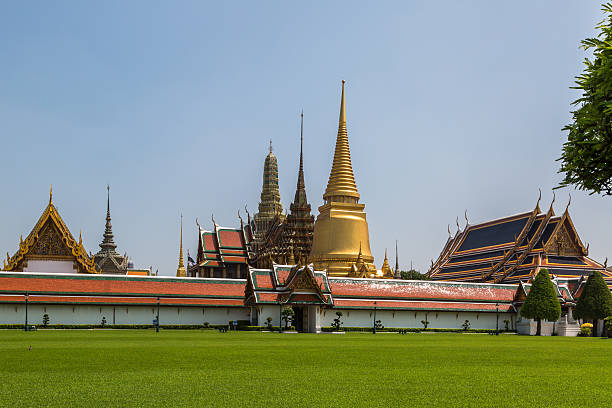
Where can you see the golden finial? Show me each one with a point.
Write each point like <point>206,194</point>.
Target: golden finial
<point>51,195</point>
<point>341,178</point>
<point>569,202</point>
<point>180,271</point>
<point>270,145</point>
<point>21,239</point>
<point>467,222</point>
<point>80,238</point>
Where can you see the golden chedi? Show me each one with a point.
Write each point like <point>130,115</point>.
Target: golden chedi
<point>341,237</point>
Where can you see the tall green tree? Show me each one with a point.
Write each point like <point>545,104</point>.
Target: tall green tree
<point>542,302</point>
<point>587,155</point>
<point>595,301</point>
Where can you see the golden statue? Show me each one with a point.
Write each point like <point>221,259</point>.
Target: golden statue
<point>341,229</point>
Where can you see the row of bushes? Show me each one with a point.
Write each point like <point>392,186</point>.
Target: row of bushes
<point>408,330</point>
<point>145,326</point>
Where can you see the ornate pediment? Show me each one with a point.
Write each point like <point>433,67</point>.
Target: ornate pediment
<point>564,240</point>
<point>50,238</point>
<point>50,243</point>
<point>305,281</point>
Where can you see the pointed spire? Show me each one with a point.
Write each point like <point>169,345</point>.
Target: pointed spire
<point>291,260</point>
<point>300,191</point>
<point>360,256</point>
<point>386,269</point>
<point>180,271</point>
<point>51,195</point>
<point>397,271</point>
<point>108,243</point>
<point>341,178</point>
<point>269,204</point>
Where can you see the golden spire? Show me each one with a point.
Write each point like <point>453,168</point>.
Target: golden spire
<point>386,268</point>
<point>180,271</point>
<point>341,179</point>
<point>51,195</point>
<point>359,256</point>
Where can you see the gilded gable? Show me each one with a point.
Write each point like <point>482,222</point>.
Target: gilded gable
<point>564,242</point>
<point>50,239</point>
<point>50,243</point>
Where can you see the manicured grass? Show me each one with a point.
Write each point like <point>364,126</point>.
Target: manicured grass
<point>205,368</point>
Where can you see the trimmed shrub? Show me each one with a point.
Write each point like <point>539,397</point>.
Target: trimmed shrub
<point>595,301</point>
<point>585,330</point>
<point>542,302</point>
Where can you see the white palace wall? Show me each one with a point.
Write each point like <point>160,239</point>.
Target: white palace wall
<point>395,319</point>
<point>89,314</point>
<point>411,319</point>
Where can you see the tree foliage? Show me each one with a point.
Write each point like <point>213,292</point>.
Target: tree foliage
<point>413,274</point>
<point>287,316</point>
<point>595,301</point>
<point>337,323</point>
<point>542,302</point>
<point>587,155</point>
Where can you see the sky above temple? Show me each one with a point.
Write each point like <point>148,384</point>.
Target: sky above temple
<point>451,106</point>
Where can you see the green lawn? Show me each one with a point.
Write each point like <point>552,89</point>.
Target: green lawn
<point>204,368</point>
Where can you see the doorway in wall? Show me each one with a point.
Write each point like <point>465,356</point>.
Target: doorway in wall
<point>298,318</point>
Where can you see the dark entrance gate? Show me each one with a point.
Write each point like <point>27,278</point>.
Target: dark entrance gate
<point>298,318</point>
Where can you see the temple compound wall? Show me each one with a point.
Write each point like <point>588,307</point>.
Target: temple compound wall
<point>314,297</point>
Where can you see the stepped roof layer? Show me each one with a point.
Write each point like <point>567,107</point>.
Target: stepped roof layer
<point>109,289</point>
<point>421,295</point>
<point>278,286</point>
<point>513,249</point>
<point>222,246</point>
<point>288,284</point>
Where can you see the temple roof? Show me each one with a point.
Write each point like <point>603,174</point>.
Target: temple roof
<point>513,249</point>
<point>287,284</point>
<point>222,246</point>
<point>132,290</point>
<point>51,238</point>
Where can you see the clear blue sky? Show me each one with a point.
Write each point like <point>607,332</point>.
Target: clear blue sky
<point>450,106</point>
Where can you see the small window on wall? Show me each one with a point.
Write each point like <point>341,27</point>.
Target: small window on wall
<point>436,315</point>
<point>457,316</point>
<point>127,310</point>
<point>477,316</point>
<point>45,309</point>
